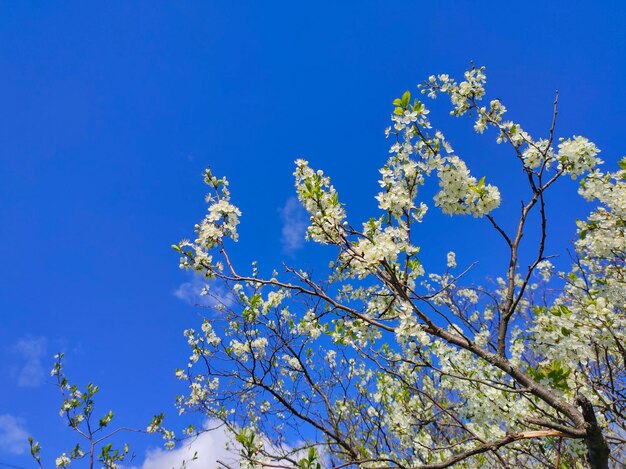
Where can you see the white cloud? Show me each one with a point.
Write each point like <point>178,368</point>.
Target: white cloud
<point>210,446</point>
<point>197,292</point>
<point>294,225</point>
<point>30,352</point>
<point>13,435</point>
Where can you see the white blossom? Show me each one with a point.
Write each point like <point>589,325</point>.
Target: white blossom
<point>577,155</point>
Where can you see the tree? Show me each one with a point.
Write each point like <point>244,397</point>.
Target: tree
<point>94,445</point>
<point>382,364</point>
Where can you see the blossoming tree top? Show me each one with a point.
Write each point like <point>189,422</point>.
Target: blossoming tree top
<point>383,364</point>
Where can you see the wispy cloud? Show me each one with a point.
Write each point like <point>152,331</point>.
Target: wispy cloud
<point>30,351</point>
<point>210,446</point>
<point>13,435</point>
<point>198,292</point>
<point>294,220</point>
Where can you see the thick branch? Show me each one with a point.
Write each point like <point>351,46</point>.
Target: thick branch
<point>494,445</point>
<point>597,448</point>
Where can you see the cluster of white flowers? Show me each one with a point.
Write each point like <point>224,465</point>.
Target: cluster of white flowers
<point>461,94</point>
<point>577,155</point>
<point>220,222</point>
<point>310,325</point>
<point>400,180</point>
<point>410,114</point>
<point>63,461</point>
<point>603,234</point>
<point>464,97</point>
<point>240,350</point>
<point>512,132</point>
<point>198,393</point>
<point>292,362</point>
<point>319,199</point>
<point>484,405</point>
<point>331,358</point>
<point>209,333</point>
<point>468,294</point>
<point>409,331</point>
<point>536,153</point>
<point>608,188</point>
<point>492,116</point>
<point>560,342</point>
<point>367,254</point>
<point>356,333</point>
<point>460,192</point>
<point>545,269</point>
<point>451,260</point>
<point>274,300</point>
<point>257,346</point>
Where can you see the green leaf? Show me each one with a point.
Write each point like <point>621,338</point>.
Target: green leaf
<point>561,310</point>
<point>397,102</point>
<point>622,163</point>
<point>406,97</point>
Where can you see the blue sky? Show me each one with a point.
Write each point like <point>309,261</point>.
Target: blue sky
<point>110,111</point>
